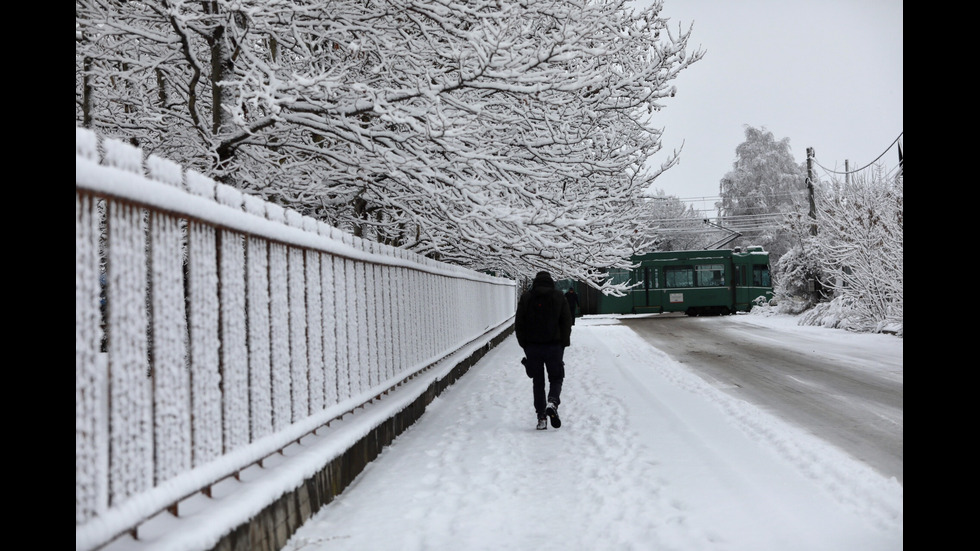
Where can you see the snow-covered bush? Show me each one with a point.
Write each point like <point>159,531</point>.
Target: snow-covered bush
<point>850,273</point>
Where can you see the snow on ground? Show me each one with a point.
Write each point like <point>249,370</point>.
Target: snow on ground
<point>649,457</point>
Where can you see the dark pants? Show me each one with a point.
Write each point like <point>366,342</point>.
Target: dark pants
<point>541,357</point>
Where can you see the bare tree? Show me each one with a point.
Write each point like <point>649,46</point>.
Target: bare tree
<point>675,225</point>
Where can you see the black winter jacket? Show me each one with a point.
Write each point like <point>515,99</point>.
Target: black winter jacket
<point>543,288</point>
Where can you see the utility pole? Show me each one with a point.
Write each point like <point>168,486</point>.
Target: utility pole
<point>813,285</point>
<point>809,188</point>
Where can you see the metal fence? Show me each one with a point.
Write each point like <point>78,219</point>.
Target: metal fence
<point>213,328</point>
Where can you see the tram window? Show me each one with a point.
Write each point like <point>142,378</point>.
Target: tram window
<point>679,276</point>
<point>760,275</point>
<point>711,275</point>
<point>636,276</point>
<point>618,276</point>
<point>640,276</point>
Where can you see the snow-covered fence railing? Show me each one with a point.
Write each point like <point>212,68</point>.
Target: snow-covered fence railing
<point>213,329</point>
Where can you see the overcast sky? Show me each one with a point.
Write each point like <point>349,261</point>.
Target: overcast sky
<point>826,74</point>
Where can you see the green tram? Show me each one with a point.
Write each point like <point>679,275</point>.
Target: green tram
<point>712,282</point>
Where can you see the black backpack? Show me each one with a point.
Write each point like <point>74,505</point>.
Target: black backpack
<point>541,318</point>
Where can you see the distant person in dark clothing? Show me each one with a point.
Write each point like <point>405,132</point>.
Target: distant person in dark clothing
<point>543,325</point>
<point>572,297</point>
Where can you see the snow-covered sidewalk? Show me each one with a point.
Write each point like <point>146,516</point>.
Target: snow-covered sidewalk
<point>648,457</point>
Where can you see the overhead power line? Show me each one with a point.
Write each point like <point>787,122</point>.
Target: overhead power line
<point>741,223</point>
<point>900,134</point>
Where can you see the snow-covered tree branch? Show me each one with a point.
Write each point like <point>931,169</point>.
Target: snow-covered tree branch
<point>507,136</point>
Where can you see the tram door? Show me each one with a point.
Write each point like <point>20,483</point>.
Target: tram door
<point>647,297</point>
<point>741,290</point>
<point>655,292</point>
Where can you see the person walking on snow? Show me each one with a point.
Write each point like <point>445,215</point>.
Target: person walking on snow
<point>543,325</point>
<point>572,297</point>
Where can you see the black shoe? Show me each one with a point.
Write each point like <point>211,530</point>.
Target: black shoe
<point>552,411</point>
<point>543,423</point>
